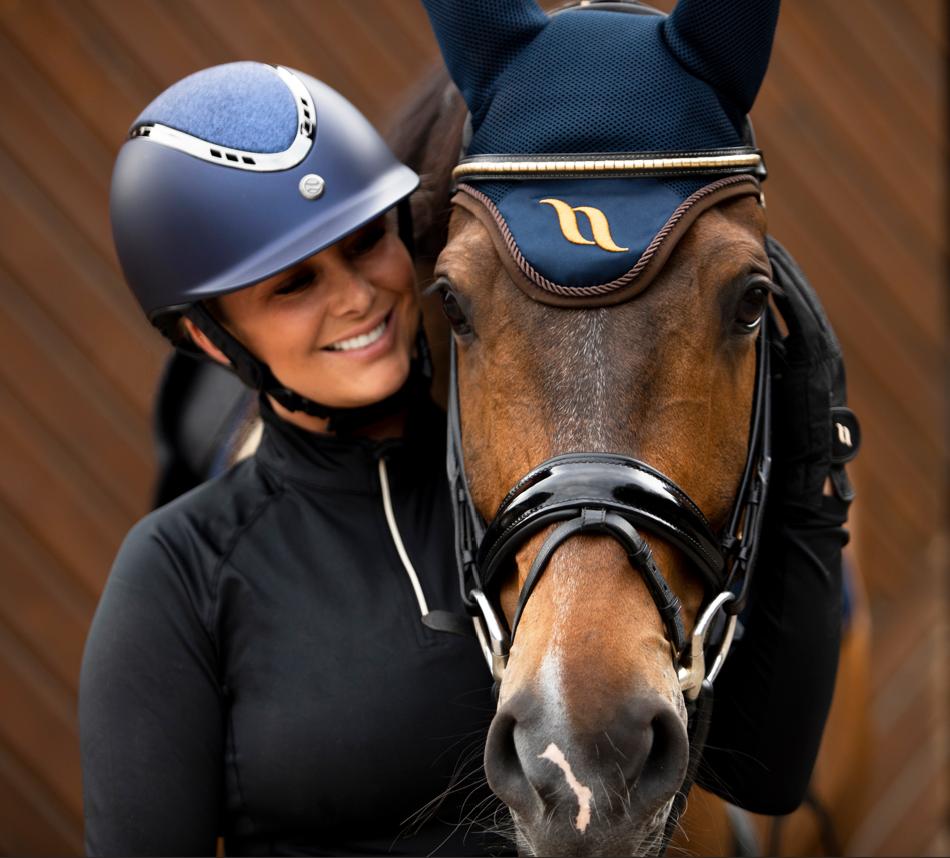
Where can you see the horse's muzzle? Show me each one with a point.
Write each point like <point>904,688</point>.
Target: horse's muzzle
<point>569,788</point>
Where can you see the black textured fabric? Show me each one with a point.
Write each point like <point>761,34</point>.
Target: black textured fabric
<point>199,407</point>
<point>809,380</point>
<point>257,667</point>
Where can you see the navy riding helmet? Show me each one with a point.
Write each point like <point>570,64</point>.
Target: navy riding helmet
<point>233,174</point>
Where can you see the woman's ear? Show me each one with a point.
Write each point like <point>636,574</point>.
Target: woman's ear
<point>200,339</point>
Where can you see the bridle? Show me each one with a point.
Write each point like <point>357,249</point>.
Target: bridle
<point>619,496</point>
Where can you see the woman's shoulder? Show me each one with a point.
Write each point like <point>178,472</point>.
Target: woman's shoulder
<point>189,537</point>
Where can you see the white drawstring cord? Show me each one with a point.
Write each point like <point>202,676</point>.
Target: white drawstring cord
<point>397,539</point>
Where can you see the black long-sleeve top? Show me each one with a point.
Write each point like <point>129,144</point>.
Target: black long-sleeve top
<point>257,667</point>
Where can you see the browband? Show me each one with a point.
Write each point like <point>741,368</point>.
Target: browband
<point>741,159</point>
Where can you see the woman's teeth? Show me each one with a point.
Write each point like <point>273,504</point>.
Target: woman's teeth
<point>362,341</point>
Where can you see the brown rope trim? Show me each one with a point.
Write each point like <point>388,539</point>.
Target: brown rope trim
<point>542,282</point>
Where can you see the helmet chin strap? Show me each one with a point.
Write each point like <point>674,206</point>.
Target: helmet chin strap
<point>258,376</point>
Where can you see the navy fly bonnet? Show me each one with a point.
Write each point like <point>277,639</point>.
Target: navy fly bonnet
<point>598,136</point>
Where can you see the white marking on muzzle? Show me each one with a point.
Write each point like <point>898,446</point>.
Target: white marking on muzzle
<point>583,793</point>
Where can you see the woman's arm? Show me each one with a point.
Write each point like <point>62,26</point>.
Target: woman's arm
<point>150,713</point>
<point>774,693</point>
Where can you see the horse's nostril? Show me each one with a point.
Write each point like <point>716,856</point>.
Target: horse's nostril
<point>665,754</point>
<point>503,767</point>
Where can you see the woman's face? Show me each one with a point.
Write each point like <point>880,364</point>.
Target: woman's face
<point>338,327</point>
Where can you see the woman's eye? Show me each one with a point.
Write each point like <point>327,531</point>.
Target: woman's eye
<point>294,284</point>
<point>751,307</point>
<point>454,313</point>
<point>367,239</point>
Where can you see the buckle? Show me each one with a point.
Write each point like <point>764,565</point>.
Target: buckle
<point>491,635</point>
<point>694,676</point>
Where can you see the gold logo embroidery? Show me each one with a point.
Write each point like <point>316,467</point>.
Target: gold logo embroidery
<point>600,229</point>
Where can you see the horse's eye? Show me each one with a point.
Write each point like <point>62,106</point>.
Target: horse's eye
<point>454,312</point>
<point>751,307</point>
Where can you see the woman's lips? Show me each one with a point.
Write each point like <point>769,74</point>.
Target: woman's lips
<point>367,342</point>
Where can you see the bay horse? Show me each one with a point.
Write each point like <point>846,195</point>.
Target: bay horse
<point>652,378</point>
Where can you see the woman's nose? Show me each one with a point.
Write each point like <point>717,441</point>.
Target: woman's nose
<point>349,292</point>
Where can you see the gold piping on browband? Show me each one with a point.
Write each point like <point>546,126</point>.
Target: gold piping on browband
<point>545,167</point>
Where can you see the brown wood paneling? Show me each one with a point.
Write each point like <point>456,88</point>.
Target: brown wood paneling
<point>41,727</point>
<point>31,819</point>
<point>47,614</point>
<point>853,123</point>
<point>51,492</point>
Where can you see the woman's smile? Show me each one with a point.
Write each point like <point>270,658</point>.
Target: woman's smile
<point>368,340</point>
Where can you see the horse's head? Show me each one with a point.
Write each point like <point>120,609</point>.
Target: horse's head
<point>606,278</point>
<point>590,735</point>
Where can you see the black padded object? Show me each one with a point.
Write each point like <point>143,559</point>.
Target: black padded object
<point>198,409</point>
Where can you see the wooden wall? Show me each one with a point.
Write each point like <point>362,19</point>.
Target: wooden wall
<point>852,120</point>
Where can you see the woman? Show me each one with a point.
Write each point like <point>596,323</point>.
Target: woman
<point>264,664</point>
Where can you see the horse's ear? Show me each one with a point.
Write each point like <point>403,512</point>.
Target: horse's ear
<point>479,38</point>
<point>725,44</point>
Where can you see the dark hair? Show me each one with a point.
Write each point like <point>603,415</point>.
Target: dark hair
<point>426,135</point>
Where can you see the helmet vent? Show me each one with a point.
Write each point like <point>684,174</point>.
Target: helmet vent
<point>238,158</point>
<point>217,153</point>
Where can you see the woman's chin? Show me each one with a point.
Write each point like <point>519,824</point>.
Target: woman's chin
<point>369,392</point>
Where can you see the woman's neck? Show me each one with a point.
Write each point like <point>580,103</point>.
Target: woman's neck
<point>390,426</point>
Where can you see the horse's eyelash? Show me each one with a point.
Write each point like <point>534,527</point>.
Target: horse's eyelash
<point>767,283</point>
<point>436,286</point>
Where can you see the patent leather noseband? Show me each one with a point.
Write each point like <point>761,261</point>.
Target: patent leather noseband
<point>618,496</point>
<point>604,493</point>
